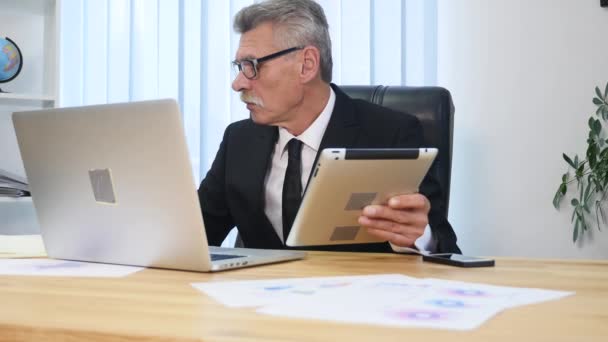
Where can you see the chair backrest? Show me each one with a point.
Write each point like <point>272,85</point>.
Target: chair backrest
<point>434,108</point>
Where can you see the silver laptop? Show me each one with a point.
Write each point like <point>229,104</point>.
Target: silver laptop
<point>113,184</point>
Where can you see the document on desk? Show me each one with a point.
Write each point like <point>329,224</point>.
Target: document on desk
<point>275,291</point>
<point>63,268</point>
<point>21,246</point>
<point>388,299</point>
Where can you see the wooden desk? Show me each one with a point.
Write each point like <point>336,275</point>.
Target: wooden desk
<point>155,305</point>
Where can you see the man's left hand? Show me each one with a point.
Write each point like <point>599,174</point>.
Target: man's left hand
<point>401,222</point>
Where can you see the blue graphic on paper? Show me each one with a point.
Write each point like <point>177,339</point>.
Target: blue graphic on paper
<point>420,315</point>
<point>447,303</point>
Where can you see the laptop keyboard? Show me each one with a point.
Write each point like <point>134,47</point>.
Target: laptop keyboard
<point>216,257</point>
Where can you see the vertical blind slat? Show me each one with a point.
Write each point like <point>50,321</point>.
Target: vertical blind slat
<point>71,53</point>
<point>144,50</point>
<point>355,43</point>
<point>386,46</point>
<point>95,47</point>
<point>119,52</point>
<point>168,48</point>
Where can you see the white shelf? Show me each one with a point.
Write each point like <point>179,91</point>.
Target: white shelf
<point>33,26</point>
<point>34,7</point>
<point>26,97</point>
<point>15,199</point>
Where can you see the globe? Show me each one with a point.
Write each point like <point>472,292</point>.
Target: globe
<point>11,60</point>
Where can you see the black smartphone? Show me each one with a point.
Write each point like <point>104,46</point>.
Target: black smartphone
<point>458,260</point>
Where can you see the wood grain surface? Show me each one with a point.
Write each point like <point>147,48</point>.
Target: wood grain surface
<point>155,305</point>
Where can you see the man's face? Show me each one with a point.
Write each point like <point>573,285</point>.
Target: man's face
<point>275,92</point>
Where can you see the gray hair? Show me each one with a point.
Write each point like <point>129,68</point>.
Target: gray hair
<point>298,23</point>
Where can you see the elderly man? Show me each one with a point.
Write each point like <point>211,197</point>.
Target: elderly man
<point>284,70</point>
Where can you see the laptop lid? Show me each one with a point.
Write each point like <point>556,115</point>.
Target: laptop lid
<point>113,183</point>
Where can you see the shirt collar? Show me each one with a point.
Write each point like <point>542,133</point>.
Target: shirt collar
<point>313,135</point>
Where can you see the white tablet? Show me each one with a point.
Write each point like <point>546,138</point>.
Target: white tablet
<point>346,180</point>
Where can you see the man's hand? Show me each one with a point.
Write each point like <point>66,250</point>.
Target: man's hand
<point>401,222</point>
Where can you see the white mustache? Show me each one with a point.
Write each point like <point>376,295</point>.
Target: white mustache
<point>249,98</point>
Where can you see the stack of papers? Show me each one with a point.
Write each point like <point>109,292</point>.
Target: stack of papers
<point>21,246</point>
<point>12,185</point>
<point>388,299</point>
<point>63,268</point>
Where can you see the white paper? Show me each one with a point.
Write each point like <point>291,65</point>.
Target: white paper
<point>509,296</point>
<point>388,299</point>
<point>422,312</point>
<point>21,246</point>
<point>63,268</point>
<point>254,293</point>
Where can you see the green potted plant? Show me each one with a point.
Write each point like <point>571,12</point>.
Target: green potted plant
<point>590,175</point>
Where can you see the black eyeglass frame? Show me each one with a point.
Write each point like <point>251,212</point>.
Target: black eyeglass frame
<point>257,61</point>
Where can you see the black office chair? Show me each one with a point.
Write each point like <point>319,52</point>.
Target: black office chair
<point>434,108</point>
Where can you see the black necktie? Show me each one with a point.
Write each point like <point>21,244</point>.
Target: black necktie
<point>292,185</point>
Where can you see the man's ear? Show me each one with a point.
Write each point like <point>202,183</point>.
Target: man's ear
<point>311,64</point>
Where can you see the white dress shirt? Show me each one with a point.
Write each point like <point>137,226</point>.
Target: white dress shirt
<point>311,139</point>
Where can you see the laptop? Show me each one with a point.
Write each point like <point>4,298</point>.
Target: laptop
<point>113,184</point>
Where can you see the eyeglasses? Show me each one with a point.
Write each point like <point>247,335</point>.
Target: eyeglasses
<point>249,67</point>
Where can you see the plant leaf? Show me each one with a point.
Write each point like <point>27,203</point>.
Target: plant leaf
<point>583,225</point>
<point>597,127</point>
<point>580,171</point>
<point>587,192</point>
<point>604,153</point>
<point>569,161</point>
<point>606,92</point>
<point>599,93</point>
<point>557,198</point>
<point>574,202</point>
<point>573,216</point>
<point>592,154</point>
<point>602,214</point>
<point>597,101</point>
<point>598,212</point>
<point>575,233</point>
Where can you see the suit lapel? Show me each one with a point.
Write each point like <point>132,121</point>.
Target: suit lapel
<point>256,162</point>
<point>343,127</point>
<point>257,159</point>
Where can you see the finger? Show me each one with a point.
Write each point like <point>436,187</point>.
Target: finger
<point>409,231</point>
<point>386,213</point>
<point>411,201</point>
<point>407,217</point>
<point>395,239</point>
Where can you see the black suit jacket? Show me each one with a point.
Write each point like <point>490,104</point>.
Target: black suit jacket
<point>232,193</point>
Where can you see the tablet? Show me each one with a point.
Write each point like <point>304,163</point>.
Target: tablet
<point>344,181</point>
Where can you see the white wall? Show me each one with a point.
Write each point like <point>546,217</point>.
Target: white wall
<point>522,74</point>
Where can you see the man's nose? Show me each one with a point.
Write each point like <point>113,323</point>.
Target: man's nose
<point>240,82</point>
